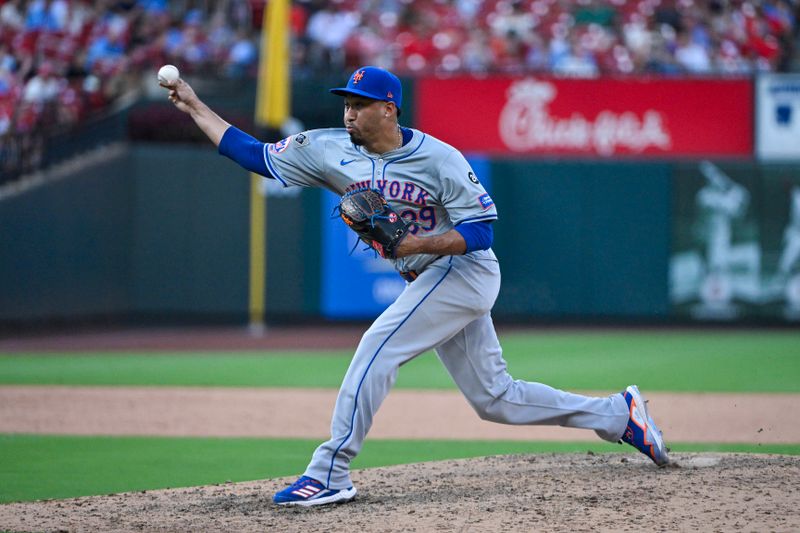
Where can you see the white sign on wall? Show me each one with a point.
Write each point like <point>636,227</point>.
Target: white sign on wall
<point>778,117</point>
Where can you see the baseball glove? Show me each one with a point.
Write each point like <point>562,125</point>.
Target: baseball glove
<point>367,213</point>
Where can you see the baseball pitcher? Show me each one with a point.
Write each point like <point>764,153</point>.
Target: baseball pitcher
<point>418,203</point>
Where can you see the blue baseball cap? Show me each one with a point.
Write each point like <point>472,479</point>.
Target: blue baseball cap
<point>375,83</point>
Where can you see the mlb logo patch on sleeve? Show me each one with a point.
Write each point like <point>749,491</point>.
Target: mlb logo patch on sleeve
<point>486,201</point>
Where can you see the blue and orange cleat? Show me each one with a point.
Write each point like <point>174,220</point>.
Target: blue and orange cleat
<point>642,433</point>
<point>307,491</point>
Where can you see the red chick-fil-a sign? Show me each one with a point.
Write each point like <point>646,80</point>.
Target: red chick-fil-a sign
<point>605,118</point>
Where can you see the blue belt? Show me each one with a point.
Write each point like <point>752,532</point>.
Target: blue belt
<point>409,275</point>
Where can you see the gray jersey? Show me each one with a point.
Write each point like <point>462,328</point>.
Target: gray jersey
<point>426,181</point>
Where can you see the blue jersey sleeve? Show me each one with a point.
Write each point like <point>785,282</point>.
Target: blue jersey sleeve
<point>478,235</point>
<point>244,149</point>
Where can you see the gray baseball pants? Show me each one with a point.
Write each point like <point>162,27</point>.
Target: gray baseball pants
<point>447,308</point>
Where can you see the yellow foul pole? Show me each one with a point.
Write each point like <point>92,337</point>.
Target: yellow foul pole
<point>272,110</point>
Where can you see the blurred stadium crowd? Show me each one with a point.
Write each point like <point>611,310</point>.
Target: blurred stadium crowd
<point>576,38</point>
<point>62,61</point>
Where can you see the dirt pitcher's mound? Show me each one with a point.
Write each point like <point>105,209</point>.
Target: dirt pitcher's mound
<point>573,492</point>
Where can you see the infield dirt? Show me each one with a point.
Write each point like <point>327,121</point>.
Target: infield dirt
<point>567,492</point>
<point>607,492</point>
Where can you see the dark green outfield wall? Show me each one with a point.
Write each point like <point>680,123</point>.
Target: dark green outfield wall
<point>159,231</point>
<point>582,239</point>
<point>65,247</point>
<point>162,231</point>
<point>154,231</point>
<point>190,229</point>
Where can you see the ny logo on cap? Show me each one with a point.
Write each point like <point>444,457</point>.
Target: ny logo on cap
<point>357,76</point>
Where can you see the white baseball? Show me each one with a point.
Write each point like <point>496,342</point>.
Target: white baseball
<point>168,74</point>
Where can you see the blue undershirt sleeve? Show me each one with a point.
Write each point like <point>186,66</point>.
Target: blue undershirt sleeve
<point>478,235</point>
<point>244,149</point>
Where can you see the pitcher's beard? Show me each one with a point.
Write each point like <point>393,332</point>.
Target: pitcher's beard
<point>355,139</point>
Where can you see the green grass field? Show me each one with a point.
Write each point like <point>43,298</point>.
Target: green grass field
<point>764,361</point>
<point>35,467</point>
<point>40,467</point>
